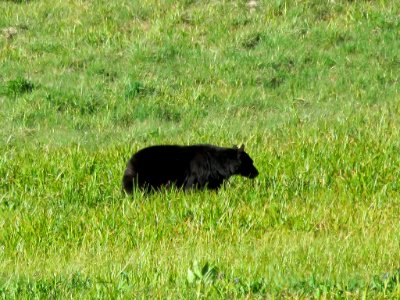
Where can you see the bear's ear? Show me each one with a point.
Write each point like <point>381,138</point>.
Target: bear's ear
<point>235,147</point>
<point>241,148</point>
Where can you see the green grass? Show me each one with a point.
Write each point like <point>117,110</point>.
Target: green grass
<point>311,88</point>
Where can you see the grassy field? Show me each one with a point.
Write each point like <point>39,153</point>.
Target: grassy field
<point>312,89</point>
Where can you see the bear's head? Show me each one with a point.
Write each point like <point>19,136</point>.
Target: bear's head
<point>246,167</point>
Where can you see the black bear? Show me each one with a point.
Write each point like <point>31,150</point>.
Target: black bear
<point>187,167</point>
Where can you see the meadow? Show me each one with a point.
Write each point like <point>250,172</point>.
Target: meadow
<point>310,87</point>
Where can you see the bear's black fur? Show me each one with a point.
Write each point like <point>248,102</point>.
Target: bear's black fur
<point>187,167</point>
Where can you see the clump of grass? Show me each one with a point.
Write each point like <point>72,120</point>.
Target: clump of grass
<point>251,41</point>
<point>136,89</point>
<point>18,86</point>
<point>206,274</point>
<point>19,1</point>
<point>72,103</point>
<point>251,287</point>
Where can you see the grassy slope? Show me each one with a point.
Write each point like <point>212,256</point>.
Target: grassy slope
<point>311,87</point>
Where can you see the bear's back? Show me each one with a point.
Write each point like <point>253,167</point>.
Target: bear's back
<point>171,154</point>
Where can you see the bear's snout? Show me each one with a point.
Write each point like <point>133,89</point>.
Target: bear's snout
<point>253,174</point>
